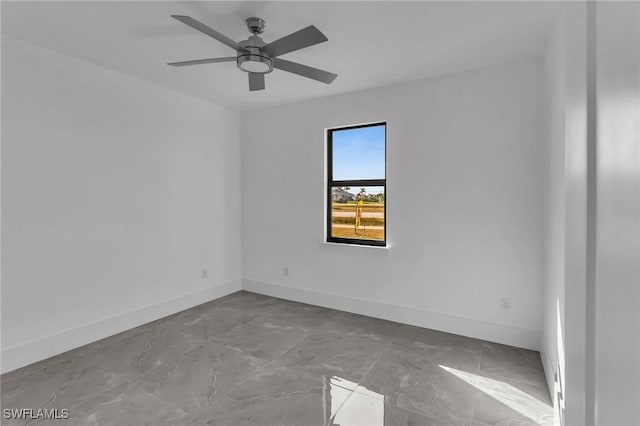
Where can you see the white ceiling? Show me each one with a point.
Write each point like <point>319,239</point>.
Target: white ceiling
<point>370,43</point>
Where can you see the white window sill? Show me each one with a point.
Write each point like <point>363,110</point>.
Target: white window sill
<point>380,250</point>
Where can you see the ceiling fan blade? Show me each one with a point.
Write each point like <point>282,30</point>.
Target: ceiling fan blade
<point>300,39</point>
<point>203,61</point>
<point>256,81</point>
<point>197,25</point>
<point>305,71</point>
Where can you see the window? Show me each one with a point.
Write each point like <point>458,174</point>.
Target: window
<point>356,186</point>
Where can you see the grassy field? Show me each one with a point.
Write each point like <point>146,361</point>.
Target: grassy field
<point>351,207</point>
<point>365,231</point>
<point>369,234</point>
<point>365,221</point>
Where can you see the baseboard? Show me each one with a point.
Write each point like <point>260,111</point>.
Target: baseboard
<point>478,329</point>
<point>47,346</point>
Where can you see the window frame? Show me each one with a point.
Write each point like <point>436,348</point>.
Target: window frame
<point>353,183</point>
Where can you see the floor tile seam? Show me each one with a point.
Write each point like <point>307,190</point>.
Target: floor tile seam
<point>528,366</point>
<point>4,383</point>
<point>330,319</point>
<point>402,340</point>
<point>140,374</point>
<point>439,363</point>
<point>136,379</point>
<point>410,409</point>
<point>21,422</point>
<point>267,309</point>
<point>268,365</point>
<point>31,369</point>
<point>140,388</point>
<point>115,340</point>
<point>240,324</point>
<point>266,398</point>
<point>237,349</point>
<point>232,387</point>
<point>516,354</point>
<point>496,376</point>
<point>306,333</point>
<point>386,348</point>
<point>342,405</point>
<point>361,380</point>
<point>298,370</point>
<point>264,314</point>
<point>273,363</point>
<point>209,339</point>
<point>34,422</point>
<point>54,394</point>
<point>473,405</point>
<point>66,371</point>
<point>128,381</point>
<point>201,407</point>
<point>467,348</point>
<point>473,409</point>
<point>394,404</point>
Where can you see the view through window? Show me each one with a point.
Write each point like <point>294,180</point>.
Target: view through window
<point>356,188</point>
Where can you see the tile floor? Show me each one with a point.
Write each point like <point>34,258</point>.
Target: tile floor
<point>248,359</point>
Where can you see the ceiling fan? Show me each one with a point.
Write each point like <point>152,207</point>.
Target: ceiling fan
<point>258,58</point>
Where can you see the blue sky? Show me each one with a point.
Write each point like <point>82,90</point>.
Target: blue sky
<point>359,153</point>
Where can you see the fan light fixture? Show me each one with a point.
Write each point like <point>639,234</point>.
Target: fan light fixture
<point>255,63</point>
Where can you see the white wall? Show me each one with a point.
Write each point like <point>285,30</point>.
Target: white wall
<point>116,194</point>
<point>465,204</point>
<point>617,268</point>
<point>593,251</point>
<point>554,223</point>
<point>563,344</point>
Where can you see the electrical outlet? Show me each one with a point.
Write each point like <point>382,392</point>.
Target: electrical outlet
<point>205,273</point>
<point>505,304</point>
<point>285,271</point>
